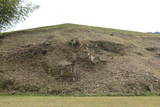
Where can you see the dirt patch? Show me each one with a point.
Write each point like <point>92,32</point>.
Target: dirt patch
<point>63,70</point>
<point>153,49</point>
<point>109,46</point>
<point>25,52</point>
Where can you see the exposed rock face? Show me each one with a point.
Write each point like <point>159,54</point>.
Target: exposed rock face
<point>67,71</point>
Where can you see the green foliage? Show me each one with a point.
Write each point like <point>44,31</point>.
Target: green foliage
<point>13,11</point>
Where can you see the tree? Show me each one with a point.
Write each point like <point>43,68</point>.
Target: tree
<point>14,11</point>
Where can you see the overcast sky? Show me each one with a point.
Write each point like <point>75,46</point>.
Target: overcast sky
<point>136,15</point>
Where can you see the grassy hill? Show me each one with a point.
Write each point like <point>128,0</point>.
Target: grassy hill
<point>78,59</point>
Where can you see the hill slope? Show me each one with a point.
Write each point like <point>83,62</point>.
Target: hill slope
<point>75,59</point>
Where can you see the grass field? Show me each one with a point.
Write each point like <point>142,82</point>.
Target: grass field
<point>55,101</point>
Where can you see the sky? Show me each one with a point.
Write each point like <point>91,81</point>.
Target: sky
<point>135,15</point>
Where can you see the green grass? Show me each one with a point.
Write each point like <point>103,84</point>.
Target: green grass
<point>62,26</point>
<point>56,101</point>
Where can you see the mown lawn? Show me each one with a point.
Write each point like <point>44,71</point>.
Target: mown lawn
<point>55,101</point>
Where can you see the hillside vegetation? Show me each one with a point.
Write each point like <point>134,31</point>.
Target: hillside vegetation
<point>78,59</point>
